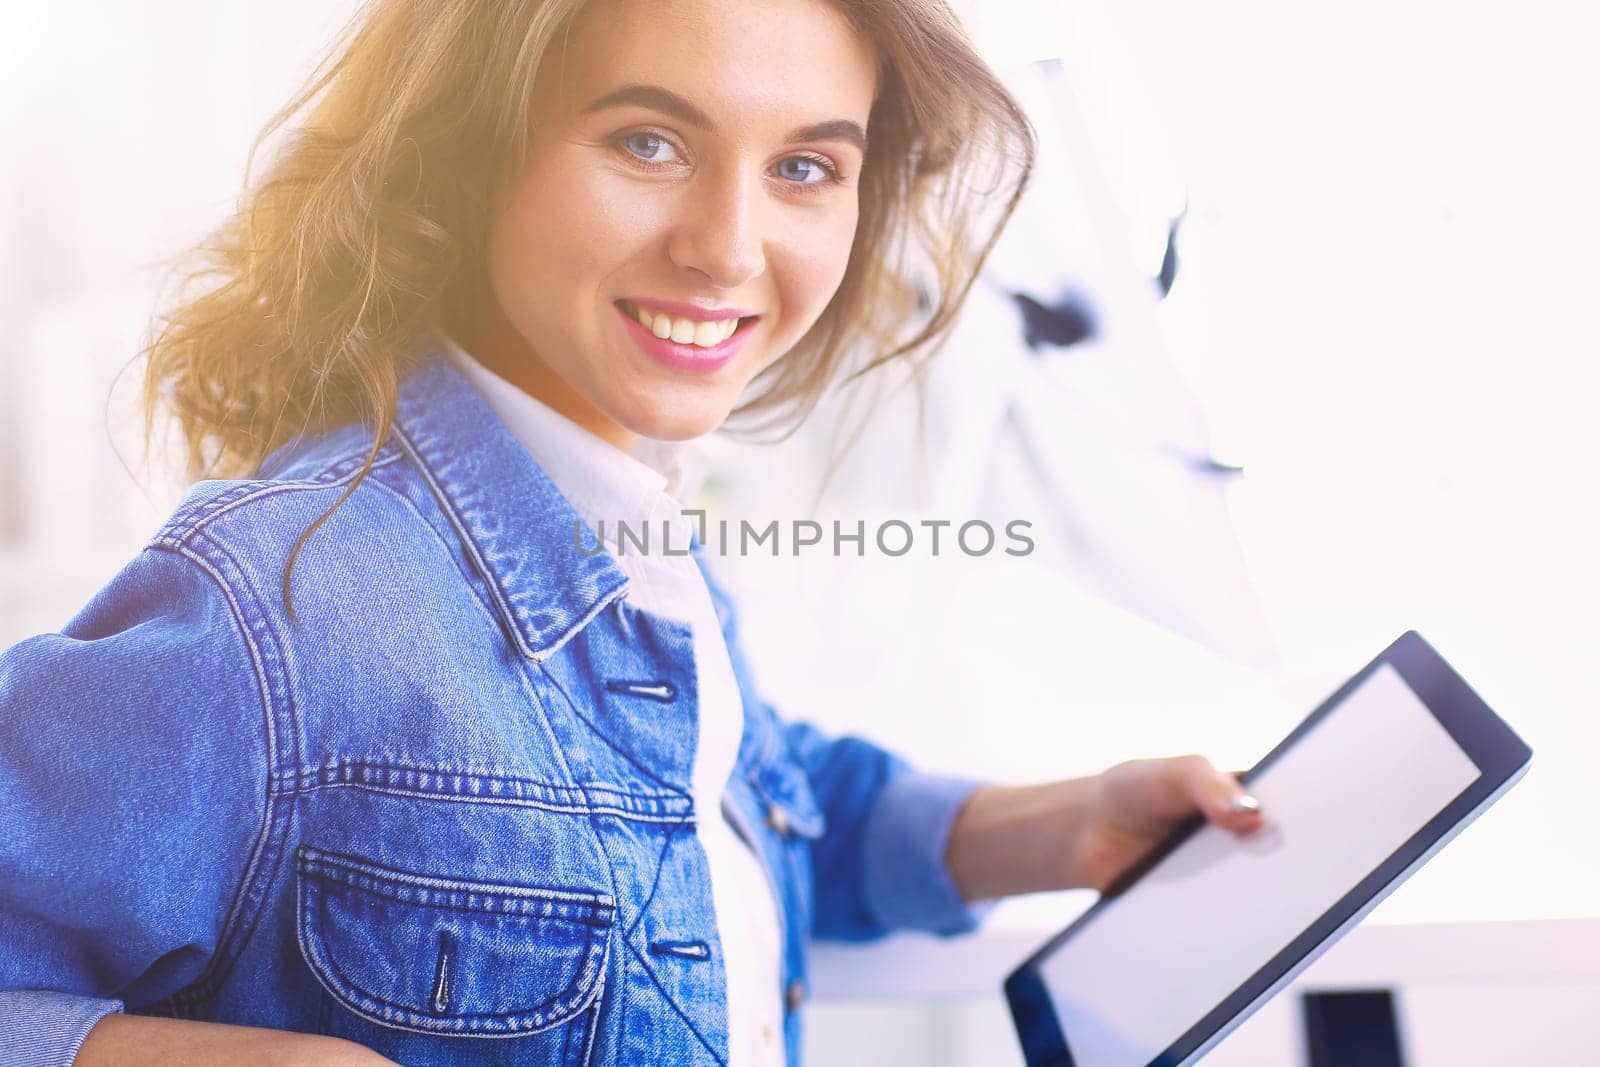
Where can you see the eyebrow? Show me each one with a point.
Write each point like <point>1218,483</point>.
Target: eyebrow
<point>670,103</point>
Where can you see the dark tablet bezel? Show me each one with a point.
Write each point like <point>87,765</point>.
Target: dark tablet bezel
<point>1493,747</point>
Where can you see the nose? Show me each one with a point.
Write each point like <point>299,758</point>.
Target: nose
<point>721,232</point>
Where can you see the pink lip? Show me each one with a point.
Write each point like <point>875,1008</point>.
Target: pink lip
<point>689,311</point>
<point>687,357</point>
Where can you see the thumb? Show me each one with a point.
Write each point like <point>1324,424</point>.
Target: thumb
<point>1221,797</point>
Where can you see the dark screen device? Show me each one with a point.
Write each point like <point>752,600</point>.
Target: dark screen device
<point>1352,1028</point>
<point>1205,929</point>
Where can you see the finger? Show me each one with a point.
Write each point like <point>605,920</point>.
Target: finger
<point>1244,800</point>
<point>1222,798</point>
<point>1244,804</point>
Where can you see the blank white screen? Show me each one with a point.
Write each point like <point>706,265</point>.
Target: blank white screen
<point>1155,961</point>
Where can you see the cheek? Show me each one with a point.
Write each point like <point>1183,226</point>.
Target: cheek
<point>564,232</point>
<point>817,255</point>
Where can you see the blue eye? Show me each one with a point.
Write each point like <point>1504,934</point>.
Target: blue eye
<point>804,170</point>
<point>647,146</point>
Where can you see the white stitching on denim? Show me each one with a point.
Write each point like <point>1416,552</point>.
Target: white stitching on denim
<point>259,849</point>
<point>181,528</point>
<point>469,785</point>
<point>468,544</point>
<point>582,991</point>
<point>594,1023</point>
<point>555,903</point>
<point>621,813</point>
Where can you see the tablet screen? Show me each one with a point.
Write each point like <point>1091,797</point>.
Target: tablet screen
<point>1361,782</point>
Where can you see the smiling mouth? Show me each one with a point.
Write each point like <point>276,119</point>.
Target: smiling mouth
<point>683,330</point>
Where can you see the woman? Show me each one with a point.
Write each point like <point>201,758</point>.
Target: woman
<point>364,758</point>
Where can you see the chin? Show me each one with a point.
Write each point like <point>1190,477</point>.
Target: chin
<point>681,425</point>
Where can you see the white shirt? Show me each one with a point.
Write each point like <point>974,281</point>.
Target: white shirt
<point>647,490</point>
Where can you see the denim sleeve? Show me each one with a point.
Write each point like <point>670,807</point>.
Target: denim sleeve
<point>880,865</point>
<point>47,1029</point>
<point>133,770</point>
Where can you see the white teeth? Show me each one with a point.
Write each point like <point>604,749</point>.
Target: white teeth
<point>707,334</point>
<point>685,331</point>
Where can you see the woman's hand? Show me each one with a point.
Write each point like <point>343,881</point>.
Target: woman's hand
<point>1085,832</point>
<point>1134,805</point>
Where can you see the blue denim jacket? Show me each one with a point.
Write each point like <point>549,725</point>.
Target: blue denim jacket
<point>446,813</point>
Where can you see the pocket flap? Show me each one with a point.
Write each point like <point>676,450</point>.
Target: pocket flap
<point>791,806</point>
<point>444,956</point>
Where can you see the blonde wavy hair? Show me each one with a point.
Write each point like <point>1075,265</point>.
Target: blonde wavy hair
<point>367,232</point>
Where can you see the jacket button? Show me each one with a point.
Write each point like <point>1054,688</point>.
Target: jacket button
<point>778,819</point>
<point>794,996</point>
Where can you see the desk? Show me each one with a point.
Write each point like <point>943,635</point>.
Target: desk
<point>1524,992</point>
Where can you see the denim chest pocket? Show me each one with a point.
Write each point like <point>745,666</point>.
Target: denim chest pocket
<point>780,784</point>
<point>784,792</point>
<point>442,956</point>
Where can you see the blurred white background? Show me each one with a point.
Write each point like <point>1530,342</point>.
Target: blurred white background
<point>1383,308</point>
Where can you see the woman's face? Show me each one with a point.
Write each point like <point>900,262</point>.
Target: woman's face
<point>700,161</point>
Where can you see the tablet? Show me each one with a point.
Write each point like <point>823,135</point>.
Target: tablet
<point>1200,933</point>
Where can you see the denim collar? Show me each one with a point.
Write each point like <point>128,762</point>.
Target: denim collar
<point>516,527</point>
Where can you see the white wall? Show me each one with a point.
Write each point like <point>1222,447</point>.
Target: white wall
<point>1388,309</point>
<point>126,128</point>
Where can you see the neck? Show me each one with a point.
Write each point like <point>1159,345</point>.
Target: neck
<point>494,342</point>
